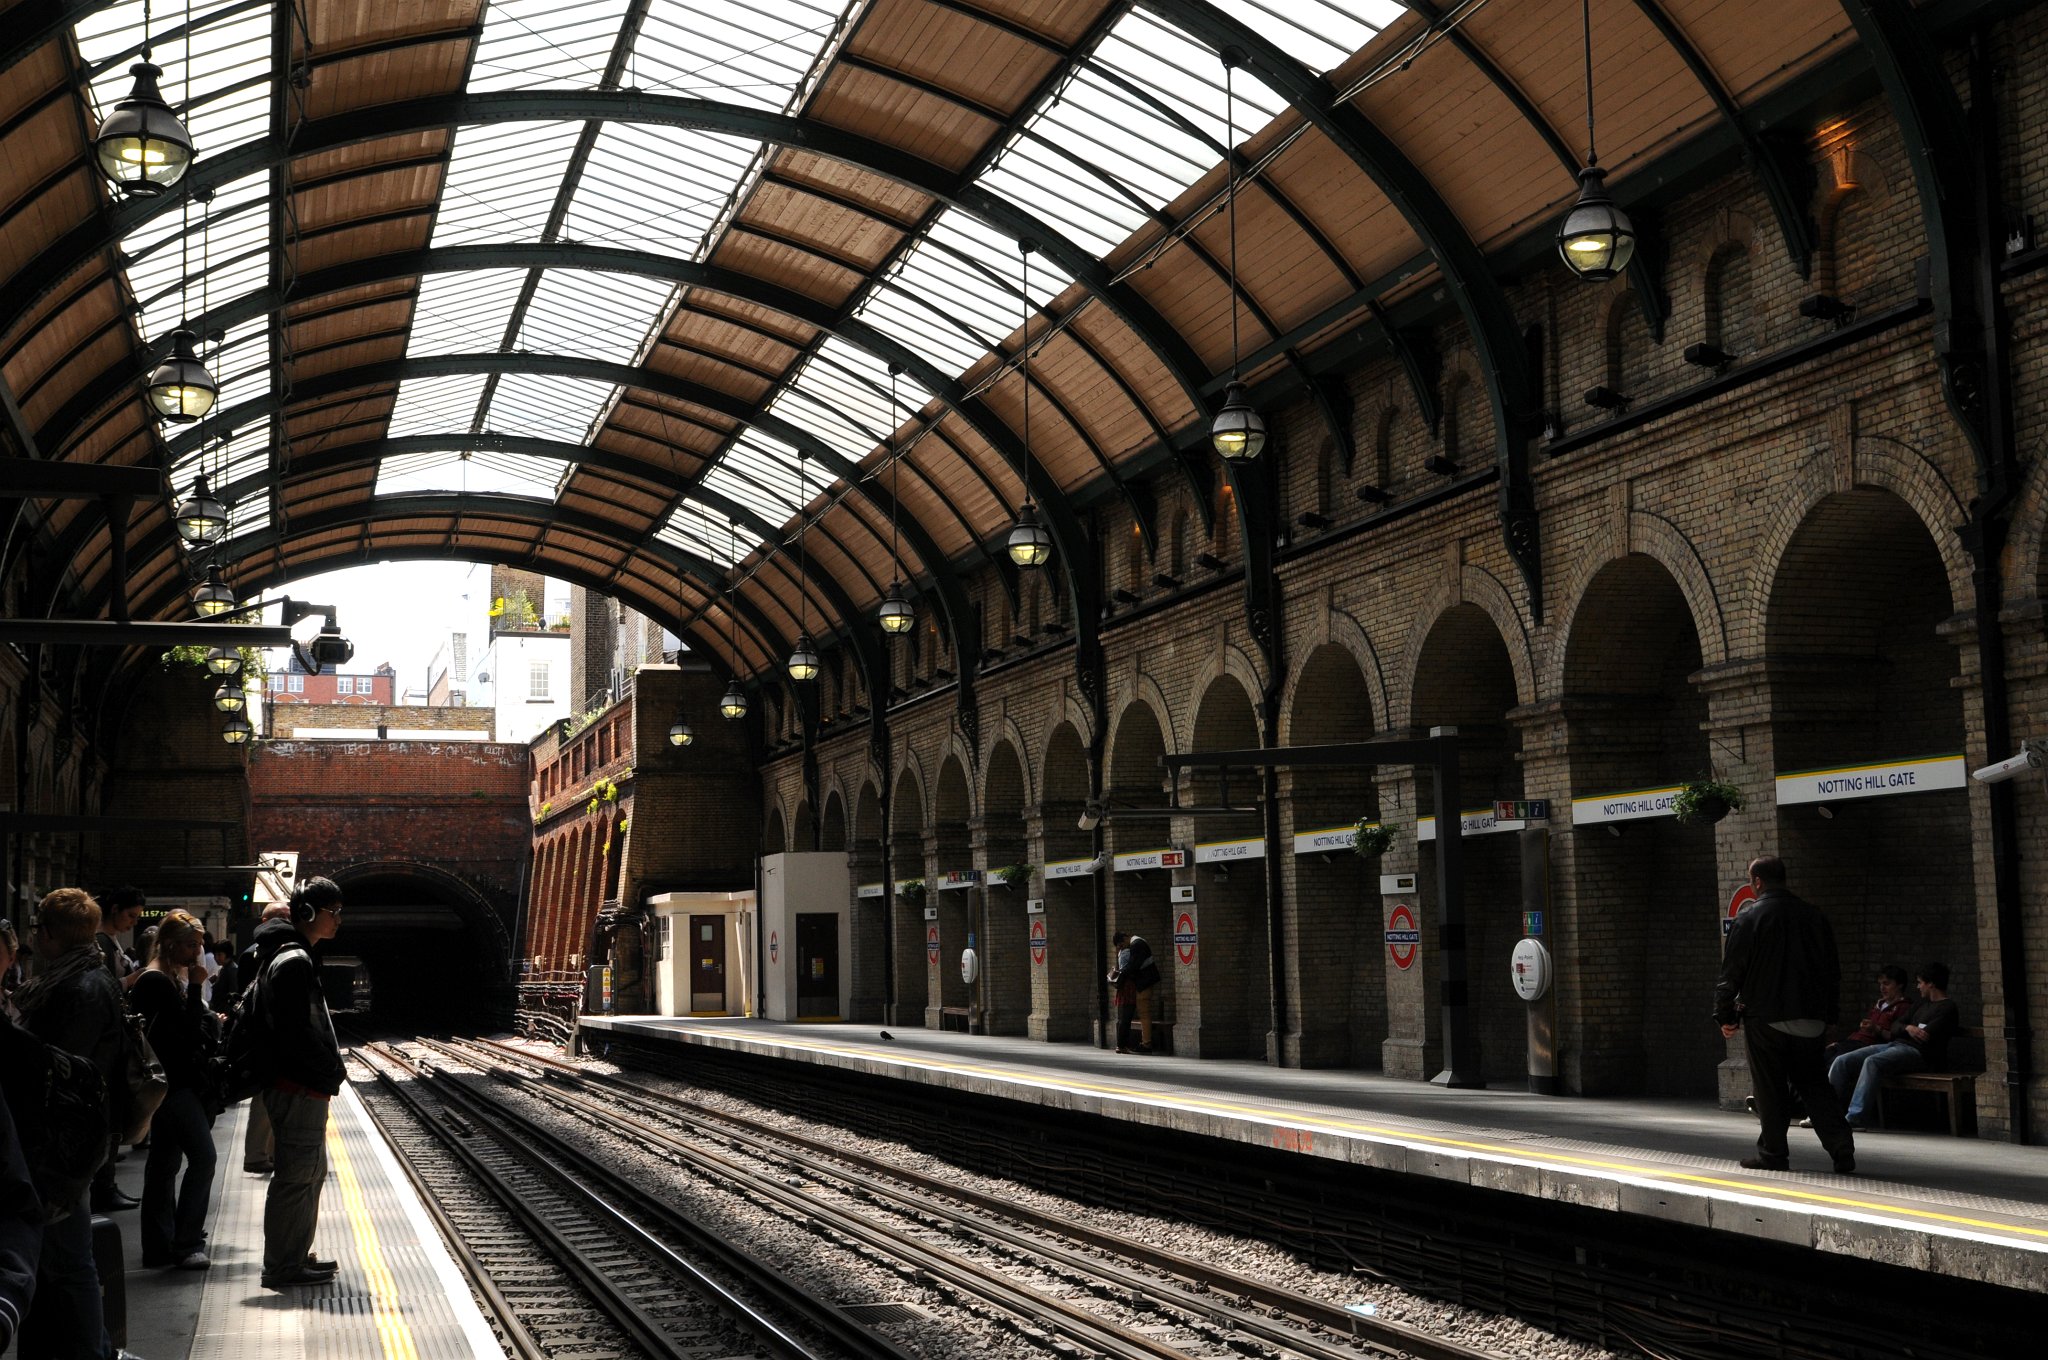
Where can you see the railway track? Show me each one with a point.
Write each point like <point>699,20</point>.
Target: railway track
<point>634,1291</point>
<point>1052,1275</point>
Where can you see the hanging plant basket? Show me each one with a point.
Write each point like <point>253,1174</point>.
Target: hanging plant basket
<point>1706,800</point>
<point>1010,875</point>
<point>911,891</point>
<point>1373,839</point>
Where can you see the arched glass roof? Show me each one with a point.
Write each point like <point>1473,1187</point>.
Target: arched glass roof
<point>626,260</point>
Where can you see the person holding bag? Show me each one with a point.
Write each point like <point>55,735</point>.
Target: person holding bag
<point>169,997</point>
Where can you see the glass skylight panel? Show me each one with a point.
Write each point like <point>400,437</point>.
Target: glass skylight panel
<point>439,405</point>
<point>842,395</point>
<point>531,44</point>
<point>696,530</point>
<point>1318,33</point>
<point>220,79</point>
<point>659,188</point>
<point>464,311</point>
<point>746,53</point>
<point>592,315</point>
<point>1132,128</point>
<point>760,473</point>
<point>544,406</point>
<point>956,292</point>
<point>502,182</point>
<point>242,365</point>
<point>236,249</point>
<point>481,472</point>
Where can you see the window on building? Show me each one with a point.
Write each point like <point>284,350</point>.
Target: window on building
<point>537,680</point>
<point>344,684</point>
<point>277,684</point>
<point>296,684</point>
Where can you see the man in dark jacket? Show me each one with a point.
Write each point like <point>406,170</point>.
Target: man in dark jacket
<point>1780,984</point>
<point>120,909</point>
<point>248,965</point>
<point>72,1003</point>
<point>303,1060</point>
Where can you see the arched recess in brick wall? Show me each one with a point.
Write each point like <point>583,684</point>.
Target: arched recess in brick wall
<point>1338,990</point>
<point>1858,673</point>
<point>1140,903</point>
<point>774,840</point>
<point>1471,588</point>
<point>1064,975</point>
<point>950,850</point>
<point>906,861</point>
<point>832,831</point>
<point>1006,959</point>
<point>803,828</point>
<point>1465,678</point>
<point>1633,721</point>
<point>1227,659</point>
<point>435,944</point>
<point>1225,997</point>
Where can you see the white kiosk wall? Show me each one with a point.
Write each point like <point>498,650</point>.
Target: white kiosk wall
<point>805,936</point>
<point>704,952</point>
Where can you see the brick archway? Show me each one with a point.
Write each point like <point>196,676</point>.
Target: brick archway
<point>1225,997</point>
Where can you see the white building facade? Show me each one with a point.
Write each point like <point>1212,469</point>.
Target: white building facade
<point>524,676</point>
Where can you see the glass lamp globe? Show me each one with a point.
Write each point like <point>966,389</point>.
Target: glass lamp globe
<point>680,734</point>
<point>1596,238</point>
<point>734,704</point>
<point>230,697</point>
<point>224,662</point>
<point>142,147</point>
<point>1029,545</point>
<point>201,517</point>
<point>236,730</point>
<point>1239,432</point>
<point>803,661</point>
<point>212,596</point>
<point>180,388</point>
<point>895,612</point>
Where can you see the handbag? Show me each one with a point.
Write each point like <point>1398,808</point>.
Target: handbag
<point>147,1084</point>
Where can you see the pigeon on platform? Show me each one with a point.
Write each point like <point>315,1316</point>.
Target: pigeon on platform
<point>887,1035</point>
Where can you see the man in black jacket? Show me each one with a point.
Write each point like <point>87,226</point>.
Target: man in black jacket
<point>303,1060</point>
<point>248,966</point>
<point>1780,984</point>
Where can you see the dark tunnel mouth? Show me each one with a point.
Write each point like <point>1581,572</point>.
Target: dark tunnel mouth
<point>436,951</point>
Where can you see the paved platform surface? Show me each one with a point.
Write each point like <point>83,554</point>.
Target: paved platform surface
<point>1964,1207</point>
<point>399,1295</point>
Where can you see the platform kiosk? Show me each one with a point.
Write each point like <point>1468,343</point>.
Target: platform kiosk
<point>703,952</point>
<point>805,936</point>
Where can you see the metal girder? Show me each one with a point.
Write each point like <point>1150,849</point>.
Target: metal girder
<point>41,478</point>
<point>1510,381</point>
<point>505,509</point>
<point>1421,364</point>
<point>118,633</point>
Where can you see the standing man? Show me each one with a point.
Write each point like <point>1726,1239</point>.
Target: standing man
<point>247,967</point>
<point>303,1061</point>
<point>1136,964</point>
<point>71,1003</point>
<point>1780,983</point>
<point>119,914</point>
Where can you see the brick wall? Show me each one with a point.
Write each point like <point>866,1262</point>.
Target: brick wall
<point>292,720</point>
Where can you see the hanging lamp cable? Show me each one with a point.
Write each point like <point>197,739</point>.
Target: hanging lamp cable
<point>1586,23</point>
<point>1230,155</point>
<point>1024,466</point>
<point>895,480</point>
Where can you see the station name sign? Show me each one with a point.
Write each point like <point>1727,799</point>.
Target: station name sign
<point>1878,780</point>
<point>869,890</point>
<point>1473,822</point>
<point>1329,838</point>
<point>1222,852</point>
<point>1632,805</point>
<point>1150,859</point>
<point>1070,868</point>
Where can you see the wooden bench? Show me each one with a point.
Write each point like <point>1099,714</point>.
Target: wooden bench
<point>954,1017</point>
<point>1957,1088</point>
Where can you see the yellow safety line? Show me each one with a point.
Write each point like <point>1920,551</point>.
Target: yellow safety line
<point>392,1330</point>
<point>1651,1170</point>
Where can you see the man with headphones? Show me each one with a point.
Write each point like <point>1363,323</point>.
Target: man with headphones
<point>304,1059</point>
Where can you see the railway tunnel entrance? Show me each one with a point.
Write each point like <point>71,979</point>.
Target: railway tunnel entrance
<point>432,951</point>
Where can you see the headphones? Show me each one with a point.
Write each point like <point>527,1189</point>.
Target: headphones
<point>304,908</point>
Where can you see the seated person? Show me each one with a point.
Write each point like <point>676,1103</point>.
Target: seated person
<point>1919,1044</point>
<point>1879,1020</point>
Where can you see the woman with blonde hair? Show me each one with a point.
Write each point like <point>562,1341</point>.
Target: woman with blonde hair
<point>169,996</point>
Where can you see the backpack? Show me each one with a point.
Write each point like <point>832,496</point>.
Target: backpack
<point>247,1062</point>
<point>59,1103</point>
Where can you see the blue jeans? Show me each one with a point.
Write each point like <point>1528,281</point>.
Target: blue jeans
<point>1857,1075</point>
<point>65,1322</point>
<point>174,1215</point>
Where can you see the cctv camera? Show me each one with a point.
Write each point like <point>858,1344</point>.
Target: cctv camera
<point>330,648</point>
<point>2029,758</point>
<point>1091,816</point>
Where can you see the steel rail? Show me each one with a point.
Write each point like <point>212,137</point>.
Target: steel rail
<point>825,1160</point>
<point>645,1329</point>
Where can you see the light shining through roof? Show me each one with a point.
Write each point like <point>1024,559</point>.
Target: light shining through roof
<point>483,472</point>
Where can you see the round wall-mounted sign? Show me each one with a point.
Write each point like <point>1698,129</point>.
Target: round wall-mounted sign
<point>1531,970</point>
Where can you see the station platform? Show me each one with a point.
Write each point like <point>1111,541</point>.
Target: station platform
<point>1967,1208</point>
<point>398,1296</point>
